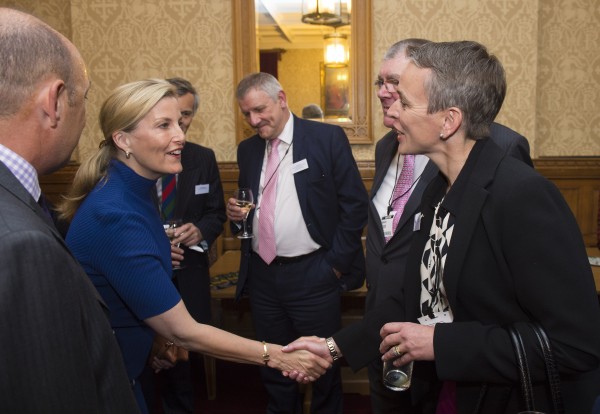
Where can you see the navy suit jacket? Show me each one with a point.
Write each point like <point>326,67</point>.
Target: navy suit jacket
<point>332,196</point>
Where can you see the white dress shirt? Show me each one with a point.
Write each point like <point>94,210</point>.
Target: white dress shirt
<point>382,198</point>
<point>291,234</point>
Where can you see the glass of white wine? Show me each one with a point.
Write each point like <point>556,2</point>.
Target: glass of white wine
<point>245,200</point>
<point>170,227</point>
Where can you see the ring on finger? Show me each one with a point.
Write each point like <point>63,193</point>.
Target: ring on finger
<point>396,351</point>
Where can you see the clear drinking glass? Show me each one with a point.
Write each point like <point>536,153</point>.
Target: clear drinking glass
<point>245,200</point>
<point>397,378</point>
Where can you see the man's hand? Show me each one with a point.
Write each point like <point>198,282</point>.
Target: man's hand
<point>235,213</point>
<point>176,255</point>
<point>187,234</point>
<point>312,344</point>
<point>299,365</point>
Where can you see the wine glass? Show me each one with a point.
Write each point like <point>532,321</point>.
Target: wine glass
<point>245,200</point>
<point>170,226</point>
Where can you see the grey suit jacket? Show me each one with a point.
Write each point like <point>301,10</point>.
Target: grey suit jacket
<point>59,354</point>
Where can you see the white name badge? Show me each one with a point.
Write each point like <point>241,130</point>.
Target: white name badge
<point>438,317</point>
<point>201,189</point>
<point>387,222</point>
<point>299,166</point>
<point>417,222</point>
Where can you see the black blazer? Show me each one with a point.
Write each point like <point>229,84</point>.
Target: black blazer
<point>199,199</point>
<point>386,261</point>
<point>333,198</point>
<point>516,255</point>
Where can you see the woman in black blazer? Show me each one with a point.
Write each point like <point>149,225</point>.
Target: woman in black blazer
<point>495,244</point>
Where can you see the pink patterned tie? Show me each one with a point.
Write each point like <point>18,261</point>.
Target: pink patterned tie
<point>266,231</point>
<point>402,190</point>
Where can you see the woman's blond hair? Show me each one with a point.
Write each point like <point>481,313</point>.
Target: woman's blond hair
<point>121,111</point>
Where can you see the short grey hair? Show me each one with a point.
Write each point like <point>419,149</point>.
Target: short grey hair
<point>184,87</point>
<point>465,75</point>
<point>399,48</point>
<point>312,111</point>
<point>261,81</point>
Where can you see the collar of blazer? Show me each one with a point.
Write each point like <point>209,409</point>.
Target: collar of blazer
<point>467,202</point>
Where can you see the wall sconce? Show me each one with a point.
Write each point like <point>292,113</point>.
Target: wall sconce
<point>336,53</point>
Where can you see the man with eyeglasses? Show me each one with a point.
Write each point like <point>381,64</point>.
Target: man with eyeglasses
<point>389,230</point>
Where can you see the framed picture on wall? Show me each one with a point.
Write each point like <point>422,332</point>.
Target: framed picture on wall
<point>335,90</point>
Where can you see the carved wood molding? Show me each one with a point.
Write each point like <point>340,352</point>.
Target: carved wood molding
<point>359,130</point>
<point>568,167</point>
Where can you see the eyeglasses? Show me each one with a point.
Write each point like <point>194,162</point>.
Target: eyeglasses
<point>389,84</point>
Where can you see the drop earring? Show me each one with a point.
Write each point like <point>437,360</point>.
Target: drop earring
<point>127,154</point>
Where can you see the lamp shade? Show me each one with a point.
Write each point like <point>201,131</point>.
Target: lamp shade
<point>336,53</point>
<point>325,12</point>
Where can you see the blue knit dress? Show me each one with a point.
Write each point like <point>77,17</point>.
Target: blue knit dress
<point>118,238</point>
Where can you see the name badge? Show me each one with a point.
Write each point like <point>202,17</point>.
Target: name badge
<point>201,189</point>
<point>417,222</point>
<point>387,223</point>
<point>438,317</point>
<point>299,166</point>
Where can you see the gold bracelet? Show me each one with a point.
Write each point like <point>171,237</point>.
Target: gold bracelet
<point>265,355</point>
<point>332,351</point>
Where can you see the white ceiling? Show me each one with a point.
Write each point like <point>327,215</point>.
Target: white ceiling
<point>279,26</point>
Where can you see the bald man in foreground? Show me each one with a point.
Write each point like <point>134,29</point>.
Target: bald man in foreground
<point>58,353</point>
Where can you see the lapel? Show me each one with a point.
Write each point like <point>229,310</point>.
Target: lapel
<point>386,152</point>
<point>477,174</point>
<point>255,159</point>
<point>413,266</point>
<point>13,186</point>
<point>299,153</point>
<point>186,181</point>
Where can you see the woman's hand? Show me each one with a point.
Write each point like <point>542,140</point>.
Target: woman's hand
<point>308,365</point>
<point>411,340</point>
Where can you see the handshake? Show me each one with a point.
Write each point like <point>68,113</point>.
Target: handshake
<point>312,357</point>
<point>402,342</point>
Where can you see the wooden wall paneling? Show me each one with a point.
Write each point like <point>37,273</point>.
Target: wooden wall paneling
<point>58,183</point>
<point>578,179</point>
